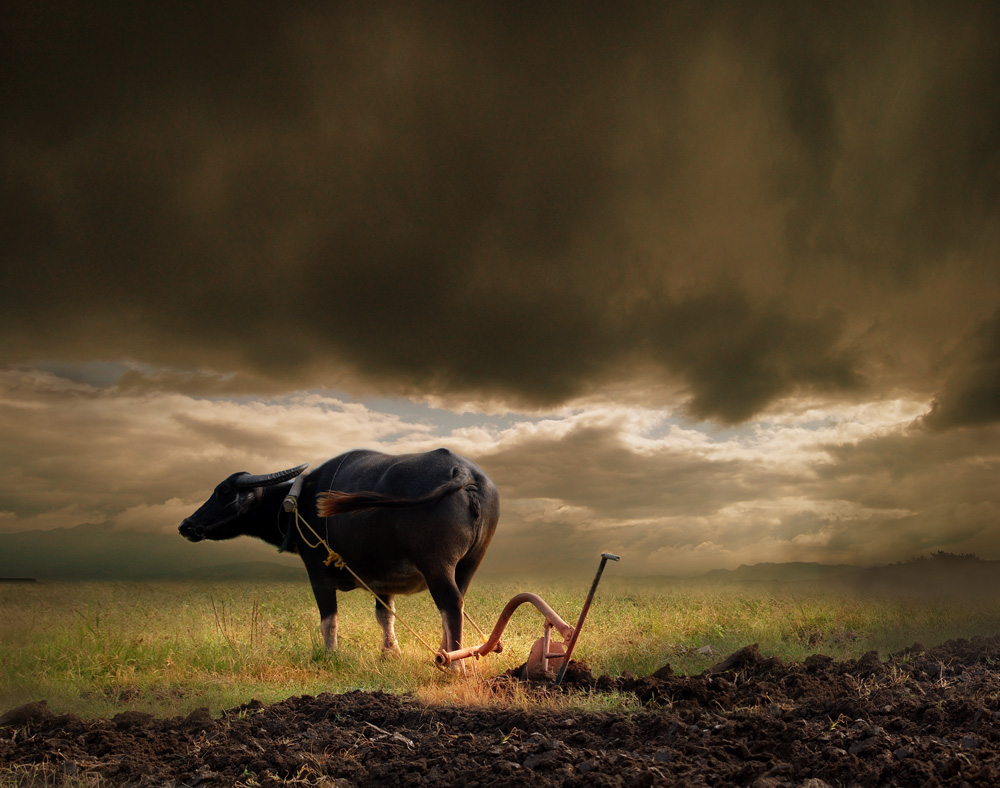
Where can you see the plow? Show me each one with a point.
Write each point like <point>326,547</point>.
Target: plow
<point>546,653</point>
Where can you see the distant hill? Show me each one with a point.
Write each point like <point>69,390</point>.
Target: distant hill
<point>940,574</point>
<point>791,572</point>
<point>102,552</point>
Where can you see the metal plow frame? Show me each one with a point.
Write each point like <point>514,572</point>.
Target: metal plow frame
<point>544,649</point>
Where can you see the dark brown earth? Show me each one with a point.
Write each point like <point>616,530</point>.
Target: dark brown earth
<point>921,718</point>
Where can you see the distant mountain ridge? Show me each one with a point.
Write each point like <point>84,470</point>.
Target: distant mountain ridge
<point>792,571</point>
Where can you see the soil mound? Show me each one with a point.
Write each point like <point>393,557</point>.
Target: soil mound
<point>928,717</point>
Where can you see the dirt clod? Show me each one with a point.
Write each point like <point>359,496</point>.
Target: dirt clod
<point>923,717</point>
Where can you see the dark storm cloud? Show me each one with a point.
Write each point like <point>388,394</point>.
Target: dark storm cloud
<point>897,118</point>
<point>971,395</point>
<point>482,203</point>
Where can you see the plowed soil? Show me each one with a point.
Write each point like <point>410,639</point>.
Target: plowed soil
<point>924,717</point>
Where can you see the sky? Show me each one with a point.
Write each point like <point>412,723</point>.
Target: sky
<point>703,284</point>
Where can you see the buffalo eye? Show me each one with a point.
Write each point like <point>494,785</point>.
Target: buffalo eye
<point>244,500</point>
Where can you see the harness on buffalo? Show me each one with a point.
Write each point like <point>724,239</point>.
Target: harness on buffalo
<point>291,506</point>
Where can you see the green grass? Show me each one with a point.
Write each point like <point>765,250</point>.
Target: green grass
<point>99,648</point>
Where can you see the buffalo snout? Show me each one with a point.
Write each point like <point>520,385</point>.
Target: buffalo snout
<point>192,532</point>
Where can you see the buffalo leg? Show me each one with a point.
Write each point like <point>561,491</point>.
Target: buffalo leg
<point>385,609</point>
<point>328,628</point>
<point>449,602</point>
<point>463,575</point>
<point>326,599</point>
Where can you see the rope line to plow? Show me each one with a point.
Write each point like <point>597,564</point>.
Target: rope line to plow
<point>474,624</point>
<point>337,560</point>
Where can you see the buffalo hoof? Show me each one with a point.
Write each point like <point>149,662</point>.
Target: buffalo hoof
<point>455,670</point>
<point>391,652</point>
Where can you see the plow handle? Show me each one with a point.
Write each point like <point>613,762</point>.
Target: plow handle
<point>583,614</point>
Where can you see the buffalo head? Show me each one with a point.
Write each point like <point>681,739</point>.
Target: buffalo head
<point>218,517</point>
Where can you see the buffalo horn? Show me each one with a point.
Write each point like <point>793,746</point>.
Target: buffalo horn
<point>267,479</point>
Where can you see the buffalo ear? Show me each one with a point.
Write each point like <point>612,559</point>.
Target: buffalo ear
<point>249,480</point>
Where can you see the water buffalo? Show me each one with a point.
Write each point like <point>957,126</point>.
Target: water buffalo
<point>403,523</point>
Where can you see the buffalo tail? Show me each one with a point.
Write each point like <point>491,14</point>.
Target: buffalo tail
<point>334,502</point>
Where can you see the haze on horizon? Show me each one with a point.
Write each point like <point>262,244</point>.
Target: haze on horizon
<point>703,285</point>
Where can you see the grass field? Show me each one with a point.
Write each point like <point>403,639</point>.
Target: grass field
<point>100,648</point>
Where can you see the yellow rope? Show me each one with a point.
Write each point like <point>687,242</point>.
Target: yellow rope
<point>335,559</point>
<point>475,625</point>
